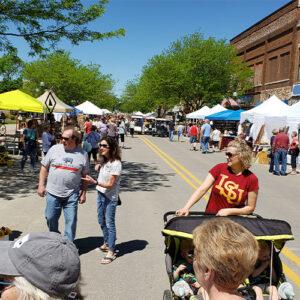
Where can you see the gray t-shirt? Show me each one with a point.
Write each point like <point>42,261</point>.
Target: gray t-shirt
<point>65,170</point>
<point>107,170</point>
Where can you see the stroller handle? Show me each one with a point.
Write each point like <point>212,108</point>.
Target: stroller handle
<point>198,213</point>
<point>191,213</point>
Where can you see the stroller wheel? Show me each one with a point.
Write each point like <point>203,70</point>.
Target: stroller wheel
<point>168,295</point>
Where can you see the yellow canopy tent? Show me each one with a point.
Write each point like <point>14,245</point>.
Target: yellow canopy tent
<point>17,100</point>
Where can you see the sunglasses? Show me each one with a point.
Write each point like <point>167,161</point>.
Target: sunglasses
<point>103,145</point>
<point>65,138</point>
<point>5,285</point>
<point>229,154</point>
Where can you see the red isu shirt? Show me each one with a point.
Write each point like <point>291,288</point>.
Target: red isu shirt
<point>230,190</point>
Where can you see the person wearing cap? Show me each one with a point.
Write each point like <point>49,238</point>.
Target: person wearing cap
<point>40,266</point>
<point>62,168</point>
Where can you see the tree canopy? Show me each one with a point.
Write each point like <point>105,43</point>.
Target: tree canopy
<point>10,72</point>
<point>43,23</point>
<point>72,81</point>
<point>192,72</point>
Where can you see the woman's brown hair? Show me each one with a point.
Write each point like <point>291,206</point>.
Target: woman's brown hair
<point>114,150</point>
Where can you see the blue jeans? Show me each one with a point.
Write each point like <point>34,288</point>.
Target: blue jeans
<point>106,210</point>
<point>29,150</point>
<point>280,155</point>
<point>171,135</point>
<point>205,143</point>
<point>53,210</point>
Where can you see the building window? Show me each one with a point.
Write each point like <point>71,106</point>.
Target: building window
<point>273,69</point>
<point>285,65</point>
<point>258,71</point>
<point>299,68</point>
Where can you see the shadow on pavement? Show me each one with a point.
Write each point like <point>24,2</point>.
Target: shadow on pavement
<point>131,246</point>
<point>14,183</point>
<point>88,244</point>
<point>142,177</point>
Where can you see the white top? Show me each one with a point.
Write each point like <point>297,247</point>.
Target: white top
<point>107,170</point>
<point>215,135</point>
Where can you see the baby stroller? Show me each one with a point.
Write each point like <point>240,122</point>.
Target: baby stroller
<point>275,231</point>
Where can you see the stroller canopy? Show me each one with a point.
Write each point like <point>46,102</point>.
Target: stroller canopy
<point>262,229</point>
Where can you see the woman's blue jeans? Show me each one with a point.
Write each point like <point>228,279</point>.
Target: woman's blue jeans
<point>53,211</point>
<point>106,210</point>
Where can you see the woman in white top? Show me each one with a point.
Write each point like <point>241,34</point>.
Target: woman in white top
<point>108,185</point>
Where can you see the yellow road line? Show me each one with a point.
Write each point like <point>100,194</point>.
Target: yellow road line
<point>291,256</point>
<point>170,161</point>
<point>291,274</point>
<point>174,161</point>
<point>186,179</point>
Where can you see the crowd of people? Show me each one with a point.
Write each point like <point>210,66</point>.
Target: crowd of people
<point>203,267</point>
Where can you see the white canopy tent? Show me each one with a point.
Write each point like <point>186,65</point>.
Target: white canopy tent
<point>270,107</point>
<point>51,99</point>
<point>272,113</point>
<point>199,114</point>
<point>106,111</point>
<point>138,113</point>
<point>89,108</point>
<point>217,108</point>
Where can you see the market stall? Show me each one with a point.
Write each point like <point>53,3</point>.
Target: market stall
<point>18,101</point>
<point>269,114</point>
<point>228,121</point>
<point>199,114</point>
<point>53,103</point>
<point>89,108</point>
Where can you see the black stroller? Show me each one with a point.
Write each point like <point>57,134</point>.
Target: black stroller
<point>177,228</point>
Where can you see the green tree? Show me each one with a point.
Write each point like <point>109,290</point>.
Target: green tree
<point>10,72</point>
<point>43,23</point>
<point>72,81</point>
<point>192,72</point>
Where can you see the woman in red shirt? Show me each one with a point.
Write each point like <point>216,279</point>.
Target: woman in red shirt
<point>234,188</point>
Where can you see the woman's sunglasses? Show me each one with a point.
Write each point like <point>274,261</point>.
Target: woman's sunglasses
<point>103,145</point>
<point>229,154</point>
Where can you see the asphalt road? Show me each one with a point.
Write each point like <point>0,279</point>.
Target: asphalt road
<point>158,176</point>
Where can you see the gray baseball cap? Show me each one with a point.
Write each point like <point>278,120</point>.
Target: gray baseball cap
<point>47,260</point>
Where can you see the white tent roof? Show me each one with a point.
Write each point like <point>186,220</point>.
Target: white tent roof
<point>138,113</point>
<point>271,107</point>
<point>217,108</point>
<point>294,110</point>
<point>89,108</point>
<point>199,114</point>
<point>59,105</point>
<point>106,111</point>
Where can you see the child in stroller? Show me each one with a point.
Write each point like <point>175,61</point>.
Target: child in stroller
<point>186,284</point>
<point>260,277</point>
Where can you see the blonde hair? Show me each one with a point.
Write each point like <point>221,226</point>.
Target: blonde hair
<point>228,249</point>
<point>27,291</point>
<point>244,152</point>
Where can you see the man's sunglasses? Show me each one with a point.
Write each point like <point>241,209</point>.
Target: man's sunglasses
<point>66,138</point>
<point>229,154</point>
<point>103,145</point>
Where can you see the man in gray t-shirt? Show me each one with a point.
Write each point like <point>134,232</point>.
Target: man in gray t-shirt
<point>63,167</point>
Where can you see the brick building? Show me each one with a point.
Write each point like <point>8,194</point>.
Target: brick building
<point>271,47</point>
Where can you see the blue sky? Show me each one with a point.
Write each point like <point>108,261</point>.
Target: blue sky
<point>151,25</point>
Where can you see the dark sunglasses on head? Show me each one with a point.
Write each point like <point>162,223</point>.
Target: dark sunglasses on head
<point>65,138</point>
<point>103,145</point>
<point>229,154</point>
